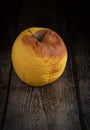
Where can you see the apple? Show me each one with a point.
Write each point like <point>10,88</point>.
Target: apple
<point>39,56</point>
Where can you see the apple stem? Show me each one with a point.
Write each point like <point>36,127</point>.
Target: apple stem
<point>39,39</point>
<point>31,33</point>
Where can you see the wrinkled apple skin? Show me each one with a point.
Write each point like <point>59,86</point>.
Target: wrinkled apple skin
<point>36,64</point>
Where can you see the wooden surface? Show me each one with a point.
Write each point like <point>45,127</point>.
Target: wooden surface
<point>64,104</point>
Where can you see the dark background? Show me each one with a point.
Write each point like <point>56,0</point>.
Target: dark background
<point>43,13</point>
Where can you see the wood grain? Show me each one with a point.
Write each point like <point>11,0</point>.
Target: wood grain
<point>52,107</point>
<point>4,80</point>
<point>5,69</point>
<point>82,77</point>
<point>78,28</point>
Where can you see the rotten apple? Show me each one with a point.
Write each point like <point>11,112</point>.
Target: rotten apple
<point>39,56</point>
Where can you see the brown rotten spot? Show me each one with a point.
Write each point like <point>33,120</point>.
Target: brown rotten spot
<point>45,43</point>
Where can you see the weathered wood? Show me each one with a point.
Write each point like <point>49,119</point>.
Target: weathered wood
<point>52,107</point>
<point>4,79</point>
<point>5,68</point>
<point>78,28</point>
<point>81,68</point>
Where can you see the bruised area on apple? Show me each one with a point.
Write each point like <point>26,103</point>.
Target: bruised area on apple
<point>45,43</point>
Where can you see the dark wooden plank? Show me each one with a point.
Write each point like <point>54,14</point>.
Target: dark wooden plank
<point>4,78</point>
<point>79,30</point>
<point>5,68</point>
<point>54,106</point>
<point>78,27</point>
<point>82,77</point>
<point>8,21</point>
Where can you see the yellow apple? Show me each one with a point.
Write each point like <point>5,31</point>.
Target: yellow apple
<point>39,56</point>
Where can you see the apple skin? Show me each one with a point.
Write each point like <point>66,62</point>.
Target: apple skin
<point>39,63</point>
